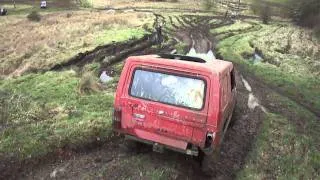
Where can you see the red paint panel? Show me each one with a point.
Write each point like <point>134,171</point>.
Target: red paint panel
<point>160,139</point>
<point>199,136</point>
<point>175,129</point>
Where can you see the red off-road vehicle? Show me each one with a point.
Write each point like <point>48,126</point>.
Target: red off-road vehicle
<point>177,102</point>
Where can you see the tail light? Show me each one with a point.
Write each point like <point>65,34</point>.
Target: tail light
<point>210,138</point>
<point>116,119</point>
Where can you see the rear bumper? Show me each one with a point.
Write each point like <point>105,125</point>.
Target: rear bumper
<point>160,141</point>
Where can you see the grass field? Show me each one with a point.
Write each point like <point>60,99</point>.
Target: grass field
<point>60,36</point>
<point>181,4</point>
<point>290,58</point>
<point>285,148</point>
<point>46,112</point>
<point>43,112</point>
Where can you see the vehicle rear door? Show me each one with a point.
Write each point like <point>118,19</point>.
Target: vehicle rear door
<point>166,102</point>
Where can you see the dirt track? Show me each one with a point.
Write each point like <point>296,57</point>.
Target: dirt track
<point>108,160</point>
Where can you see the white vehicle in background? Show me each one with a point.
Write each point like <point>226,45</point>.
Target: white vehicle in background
<point>43,4</point>
<point>3,11</point>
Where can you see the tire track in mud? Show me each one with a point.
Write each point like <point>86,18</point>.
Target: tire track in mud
<point>188,21</point>
<point>112,53</point>
<point>239,139</point>
<point>196,36</point>
<point>101,52</point>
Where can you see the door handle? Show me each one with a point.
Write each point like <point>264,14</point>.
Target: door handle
<point>161,112</point>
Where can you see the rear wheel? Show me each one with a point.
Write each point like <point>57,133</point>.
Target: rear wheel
<point>232,122</point>
<point>131,146</point>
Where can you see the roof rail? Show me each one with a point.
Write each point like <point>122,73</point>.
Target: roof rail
<point>182,58</point>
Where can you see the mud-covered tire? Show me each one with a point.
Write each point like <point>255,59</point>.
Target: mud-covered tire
<point>131,146</point>
<point>232,122</point>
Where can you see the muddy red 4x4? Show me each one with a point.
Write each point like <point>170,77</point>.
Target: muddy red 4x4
<point>178,102</point>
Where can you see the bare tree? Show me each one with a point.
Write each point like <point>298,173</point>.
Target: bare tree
<point>263,9</point>
<point>305,13</point>
<point>239,6</point>
<point>14,3</point>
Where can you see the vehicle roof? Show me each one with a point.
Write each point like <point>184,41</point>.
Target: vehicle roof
<point>215,66</point>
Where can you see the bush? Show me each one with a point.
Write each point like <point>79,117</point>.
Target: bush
<point>34,16</point>
<point>208,4</point>
<point>317,31</point>
<point>89,84</point>
<point>305,13</point>
<point>265,14</point>
<point>17,109</point>
<point>262,9</point>
<point>85,3</point>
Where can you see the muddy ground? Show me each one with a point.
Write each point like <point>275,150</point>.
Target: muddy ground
<point>110,160</point>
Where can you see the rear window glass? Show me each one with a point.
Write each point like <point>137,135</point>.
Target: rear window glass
<point>168,88</point>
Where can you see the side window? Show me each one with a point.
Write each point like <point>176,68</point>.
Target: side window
<point>233,79</point>
<point>224,90</point>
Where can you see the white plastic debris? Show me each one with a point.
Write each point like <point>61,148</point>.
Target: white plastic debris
<point>192,52</point>
<point>128,11</point>
<point>257,58</point>
<point>111,11</point>
<point>173,51</point>
<point>209,56</point>
<point>104,78</point>
<point>56,171</point>
<point>246,84</point>
<point>253,102</point>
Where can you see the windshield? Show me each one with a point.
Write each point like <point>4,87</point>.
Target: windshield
<point>168,88</point>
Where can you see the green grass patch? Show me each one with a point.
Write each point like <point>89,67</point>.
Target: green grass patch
<point>284,2</point>
<point>294,75</point>
<point>181,47</point>
<point>280,152</point>
<point>20,9</point>
<point>55,117</point>
<point>287,146</point>
<point>118,34</point>
<point>24,9</point>
<point>51,47</point>
<point>86,3</point>
<point>237,26</point>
